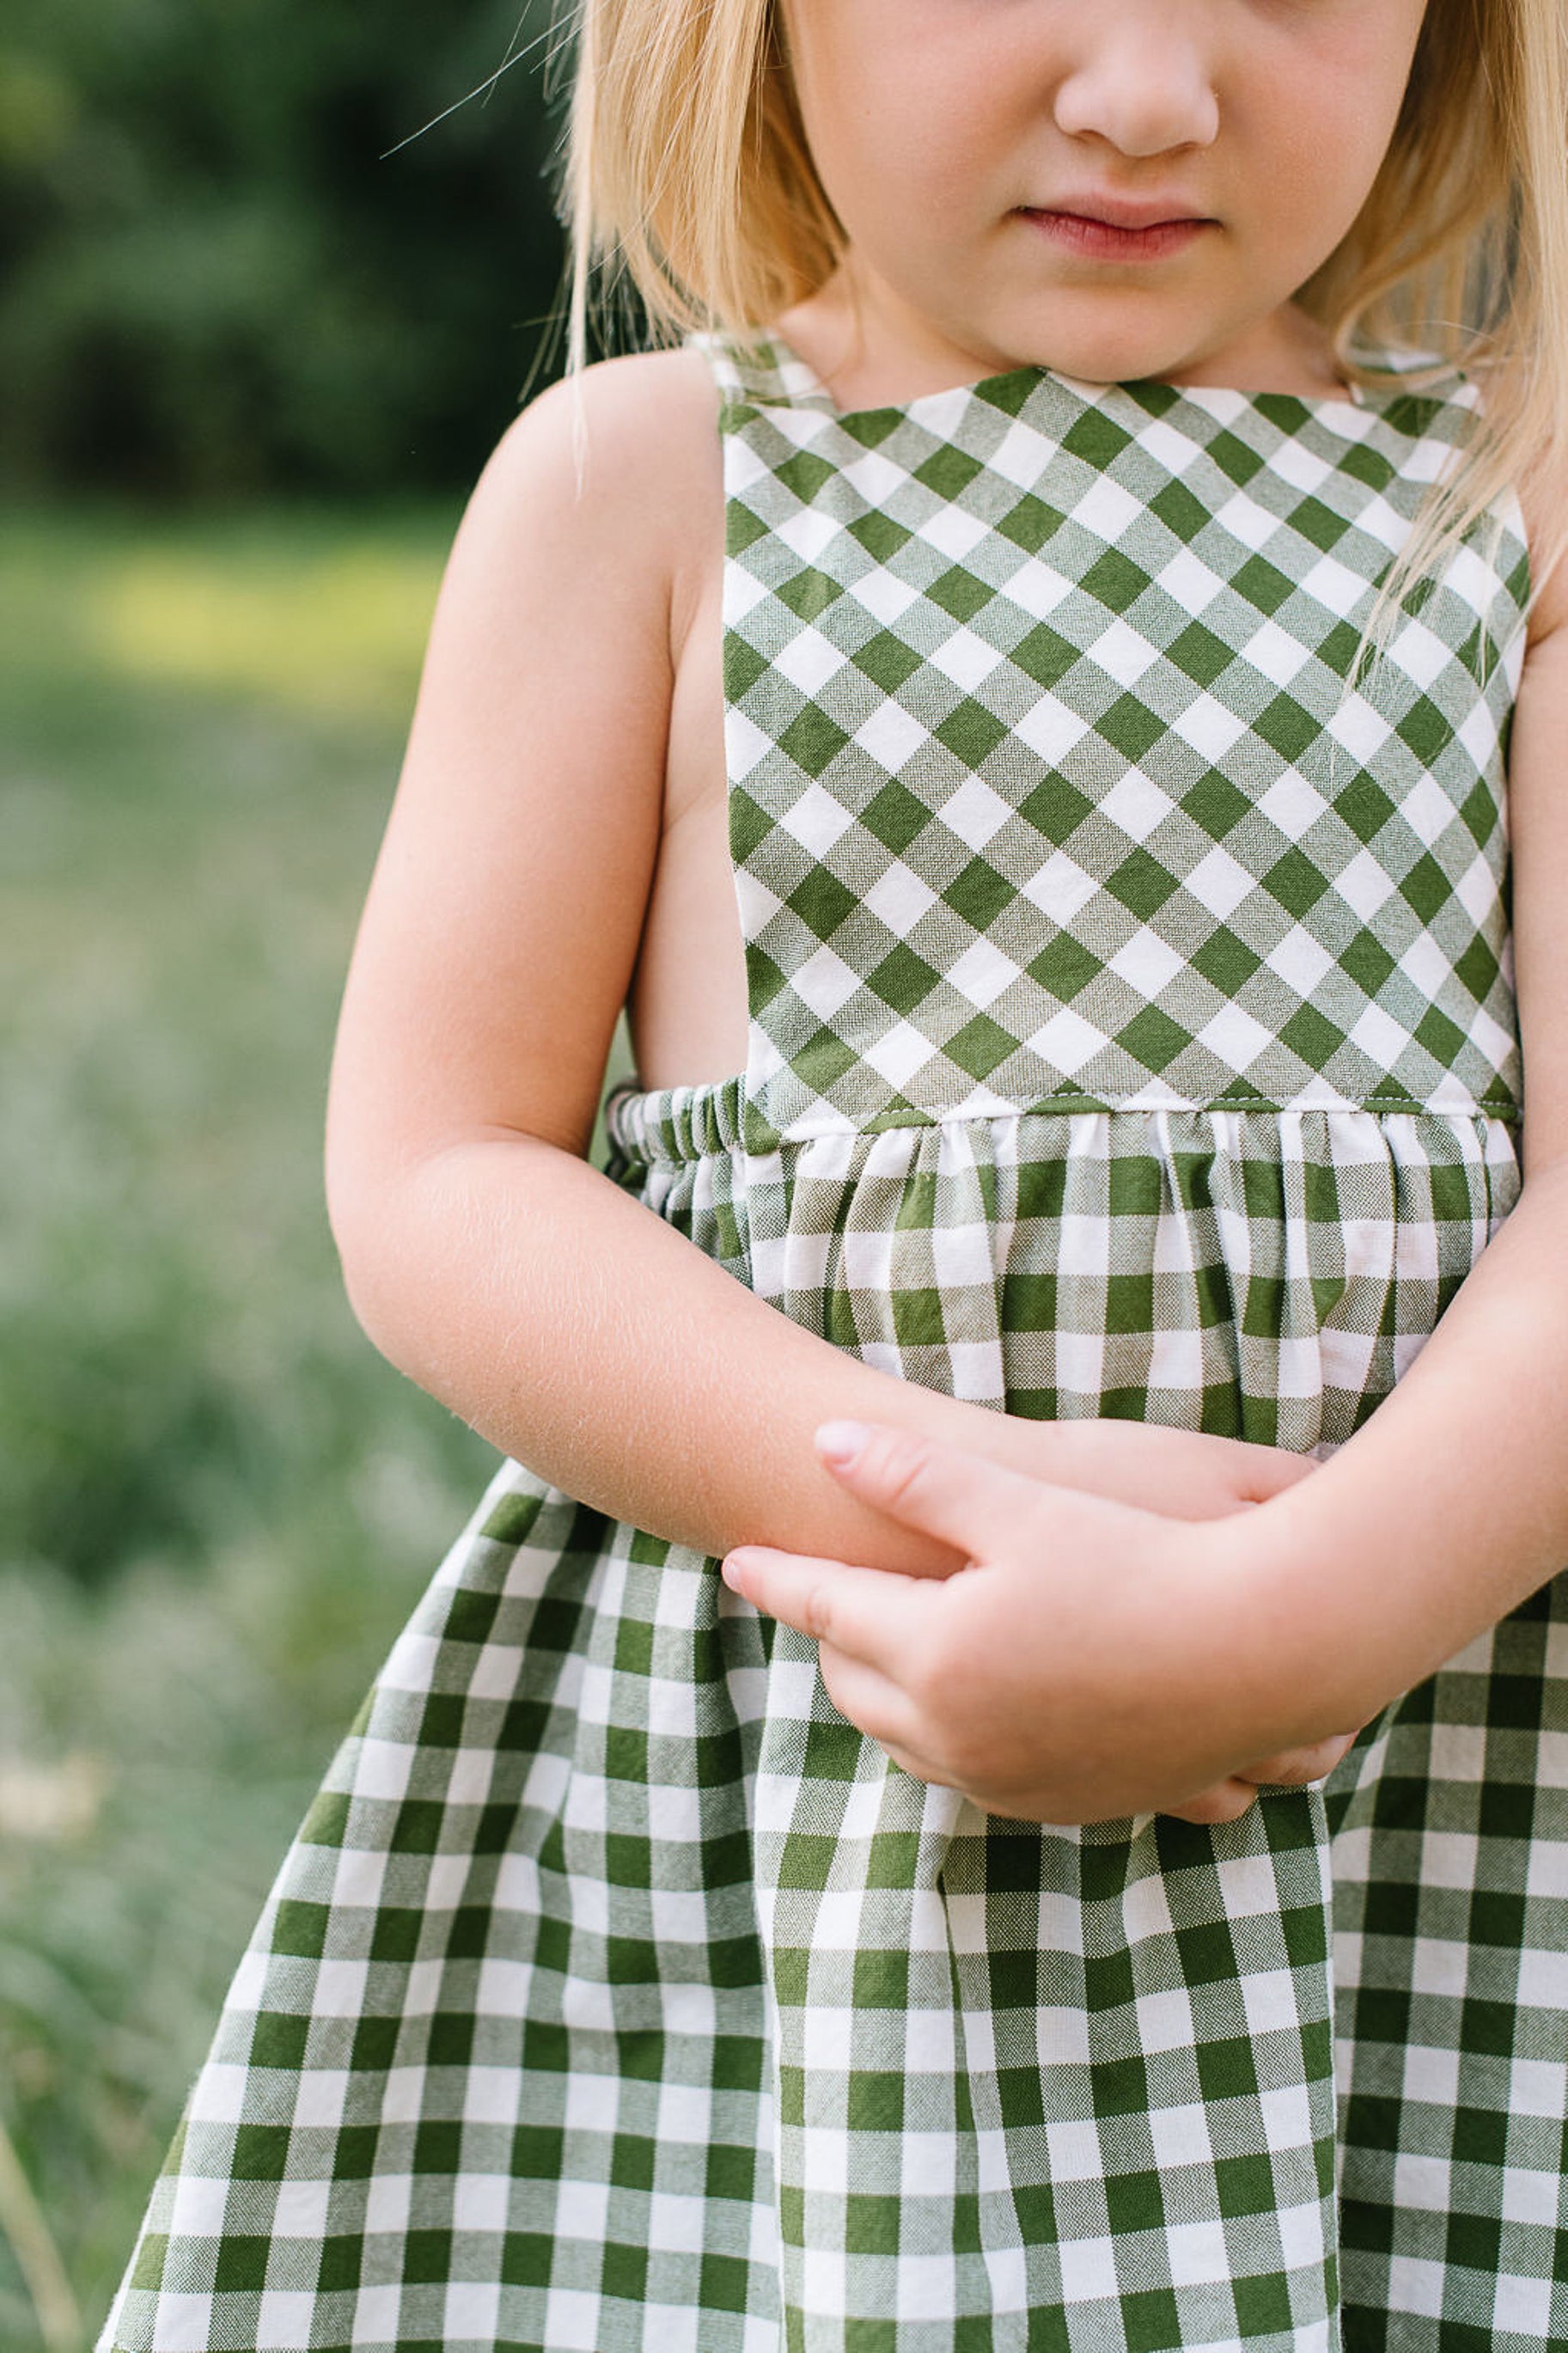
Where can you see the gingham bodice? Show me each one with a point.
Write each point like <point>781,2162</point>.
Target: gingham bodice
<point>1131,1026</point>
<point>1047,784</point>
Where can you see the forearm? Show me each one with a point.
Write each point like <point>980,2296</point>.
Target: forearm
<point>580,1333</point>
<point>1447,1507</point>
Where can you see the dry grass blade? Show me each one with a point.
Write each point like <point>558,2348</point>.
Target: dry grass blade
<point>22,2220</point>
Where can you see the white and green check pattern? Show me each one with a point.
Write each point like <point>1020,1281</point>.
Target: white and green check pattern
<point>1046,781</point>
<point>1132,1034</point>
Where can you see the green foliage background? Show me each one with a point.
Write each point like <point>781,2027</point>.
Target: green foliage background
<point>258,330</point>
<point>216,1503</point>
<point>232,257</point>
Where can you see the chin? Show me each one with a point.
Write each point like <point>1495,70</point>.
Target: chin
<point>1098,351</point>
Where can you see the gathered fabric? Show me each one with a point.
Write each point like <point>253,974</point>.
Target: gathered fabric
<point>1264,1275</point>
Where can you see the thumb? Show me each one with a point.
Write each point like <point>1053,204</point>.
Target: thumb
<point>976,1506</point>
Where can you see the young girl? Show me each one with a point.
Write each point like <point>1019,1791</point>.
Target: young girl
<point>1124,608</point>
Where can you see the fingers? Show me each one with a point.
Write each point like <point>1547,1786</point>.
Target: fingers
<point>1227,1801</point>
<point>976,1506</point>
<point>876,1706</point>
<point>1293,1767</point>
<point>869,1626</point>
<point>867,1614</point>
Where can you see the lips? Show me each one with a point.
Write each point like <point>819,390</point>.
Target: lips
<point>1103,228</point>
<point>1121,212</point>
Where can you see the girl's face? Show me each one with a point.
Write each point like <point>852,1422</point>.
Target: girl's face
<point>1226,145</point>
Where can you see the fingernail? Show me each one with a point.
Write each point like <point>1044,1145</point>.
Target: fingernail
<point>841,1441</point>
<point>733,1569</point>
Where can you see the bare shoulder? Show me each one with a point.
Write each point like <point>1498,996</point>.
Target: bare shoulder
<point>626,419</point>
<point>618,465</point>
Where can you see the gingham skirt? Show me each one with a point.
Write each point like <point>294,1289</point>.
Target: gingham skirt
<point>618,1994</point>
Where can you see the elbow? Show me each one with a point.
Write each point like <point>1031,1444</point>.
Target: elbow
<point>368,1214</point>
<point>415,1248</point>
<point>420,1229</point>
<point>367,1291</point>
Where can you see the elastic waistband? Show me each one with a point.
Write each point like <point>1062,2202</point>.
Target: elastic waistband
<point>672,1126</point>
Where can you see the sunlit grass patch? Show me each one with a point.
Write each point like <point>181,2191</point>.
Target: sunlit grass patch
<point>306,610</point>
<point>340,632</point>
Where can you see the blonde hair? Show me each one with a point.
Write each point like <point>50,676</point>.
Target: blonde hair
<point>687,173</point>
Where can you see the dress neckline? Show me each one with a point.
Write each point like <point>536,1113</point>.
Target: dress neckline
<point>1219,402</point>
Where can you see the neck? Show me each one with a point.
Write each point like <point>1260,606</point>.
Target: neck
<point>870,350</point>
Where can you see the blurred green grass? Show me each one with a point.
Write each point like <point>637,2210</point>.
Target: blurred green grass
<point>216,1503</point>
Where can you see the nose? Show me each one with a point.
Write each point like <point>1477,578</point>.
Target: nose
<point>1144,84</point>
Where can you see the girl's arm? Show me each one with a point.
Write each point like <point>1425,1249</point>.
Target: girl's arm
<point>484,1256</point>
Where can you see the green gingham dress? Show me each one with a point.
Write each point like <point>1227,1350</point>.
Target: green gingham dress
<point>1132,1034</point>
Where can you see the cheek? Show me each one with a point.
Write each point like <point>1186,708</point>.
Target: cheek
<point>1336,96</point>
<point>896,102</point>
<point>1324,144</point>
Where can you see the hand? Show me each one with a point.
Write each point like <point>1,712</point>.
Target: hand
<point>1183,1474</point>
<point>1227,1800</point>
<point>1093,1660</point>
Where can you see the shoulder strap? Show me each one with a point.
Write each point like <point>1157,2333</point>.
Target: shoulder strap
<point>759,372</point>
<point>1427,375</point>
